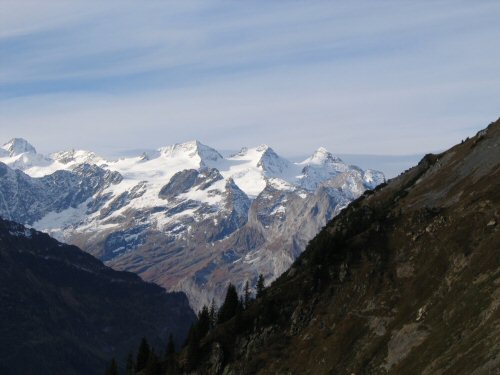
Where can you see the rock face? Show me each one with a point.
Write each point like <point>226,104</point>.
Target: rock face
<point>63,311</point>
<point>184,216</point>
<point>405,280</point>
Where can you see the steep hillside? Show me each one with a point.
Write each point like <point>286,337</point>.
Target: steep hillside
<point>403,281</point>
<point>63,311</point>
<point>184,216</point>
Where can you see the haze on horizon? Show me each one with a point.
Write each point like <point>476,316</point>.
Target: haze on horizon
<point>382,78</point>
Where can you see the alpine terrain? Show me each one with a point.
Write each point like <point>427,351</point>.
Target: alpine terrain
<point>405,280</point>
<point>184,216</point>
<point>63,311</point>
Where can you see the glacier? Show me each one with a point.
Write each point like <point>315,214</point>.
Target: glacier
<point>183,216</point>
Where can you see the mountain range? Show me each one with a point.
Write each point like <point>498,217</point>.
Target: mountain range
<point>183,216</point>
<point>405,280</point>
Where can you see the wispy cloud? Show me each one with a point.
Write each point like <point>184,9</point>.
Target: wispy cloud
<point>373,77</point>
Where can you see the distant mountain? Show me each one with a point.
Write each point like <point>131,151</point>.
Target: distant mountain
<point>182,216</point>
<point>405,280</point>
<point>63,312</point>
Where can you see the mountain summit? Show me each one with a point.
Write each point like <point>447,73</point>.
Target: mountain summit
<point>183,216</point>
<point>18,146</point>
<point>405,280</point>
<point>192,149</point>
<point>320,157</point>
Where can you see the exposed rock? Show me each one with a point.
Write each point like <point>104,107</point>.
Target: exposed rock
<point>184,210</point>
<point>366,299</point>
<point>402,342</point>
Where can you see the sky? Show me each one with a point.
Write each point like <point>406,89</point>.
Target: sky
<point>356,77</point>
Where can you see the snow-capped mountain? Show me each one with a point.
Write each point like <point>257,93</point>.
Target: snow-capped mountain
<point>20,154</point>
<point>183,216</point>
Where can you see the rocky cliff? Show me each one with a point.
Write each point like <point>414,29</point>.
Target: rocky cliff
<point>405,280</point>
<point>184,216</point>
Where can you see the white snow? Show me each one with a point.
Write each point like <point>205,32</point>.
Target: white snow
<point>251,170</point>
<point>18,146</point>
<point>57,223</point>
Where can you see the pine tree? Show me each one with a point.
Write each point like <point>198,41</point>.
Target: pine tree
<point>112,369</point>
<point>170,355</point>
<point>203,321</point>
<point>193,348</point>
<point>241,305</point>
<point>213,314</point>
<point>260,286</point>
<point>247,295</point>
<point>142,354</point>
<point>130,367</point>
<point>230,306</point>
<point>153,365</point>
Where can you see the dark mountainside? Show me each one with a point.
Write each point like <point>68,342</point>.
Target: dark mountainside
<point>63,311</point>
<point>404,281</point>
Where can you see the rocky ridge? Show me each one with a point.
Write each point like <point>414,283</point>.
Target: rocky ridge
<point>405,280</point>
<point>183,216</point>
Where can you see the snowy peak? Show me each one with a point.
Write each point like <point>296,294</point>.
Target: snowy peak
<point>321,157</point>
<point>207,153</point>
<point>255,153</point>
<point>18,153</point>
<point>191,149</point>
<point>78,157</point>
<point>251,169</point>
<point>241,212</point>
<point>18,146</point>
<point>263,148</point>
<point>271,162</point>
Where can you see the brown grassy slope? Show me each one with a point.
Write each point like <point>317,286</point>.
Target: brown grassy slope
<point>404,281</point>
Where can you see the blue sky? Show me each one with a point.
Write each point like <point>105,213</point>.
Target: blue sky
<point>357,77</point>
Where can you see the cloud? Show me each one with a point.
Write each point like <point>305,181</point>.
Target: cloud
<point>378,77</point>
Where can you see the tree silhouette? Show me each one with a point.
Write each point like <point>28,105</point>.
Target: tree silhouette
<point>260,286</point>
<point>230,306</point>
<point>203,321</point>
<point>142,354</point>
<point>170,355</point>
<point>130,367</point>
<point>112,369</point>
<point>153,365</point>
<point>247,295</point>
<point>193,348</point>
<point>213,314</point>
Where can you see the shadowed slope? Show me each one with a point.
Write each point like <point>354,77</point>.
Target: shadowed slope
<point>62,310</point>
<point>403,281</point>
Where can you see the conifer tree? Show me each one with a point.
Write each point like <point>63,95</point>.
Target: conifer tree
<point>241,305</point>
<point>203,322</point>
<point>170,355</point>
<point>260,286</point>
<point>142,354</point>
<point>153,365</point>
<point>213,314</point>
<point>193,348</point>
<point>230,306</point>
<point>112,369</point>
<point>247,295</point>
<point>130,367</point>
